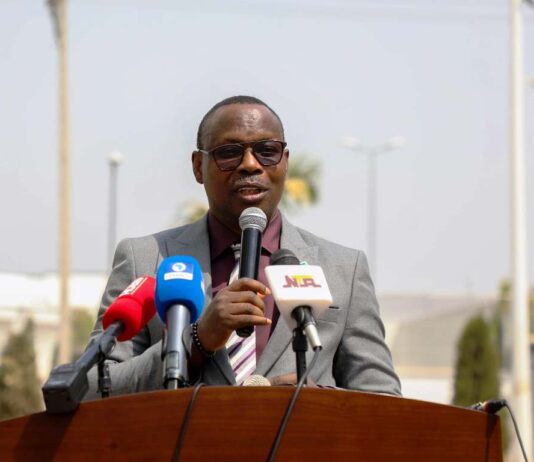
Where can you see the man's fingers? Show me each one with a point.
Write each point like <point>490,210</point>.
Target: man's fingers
<point>237,309</point>
<point>251,320</point>
<point>246,297</point>
<point>286,379</point>
<point>245,284</point>
<point>289,379</point>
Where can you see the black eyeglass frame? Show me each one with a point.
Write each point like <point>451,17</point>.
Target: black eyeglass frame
<point>251,144</point>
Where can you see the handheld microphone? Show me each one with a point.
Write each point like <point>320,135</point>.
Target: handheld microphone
<point>252,222</point>
<point>179,302</point>
<point>256,381</point>
<point>300,291</point>
<point>124,318</point>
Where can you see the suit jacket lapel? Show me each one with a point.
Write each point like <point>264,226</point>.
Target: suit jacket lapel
<point>281,336</point>
<point>194,241</point>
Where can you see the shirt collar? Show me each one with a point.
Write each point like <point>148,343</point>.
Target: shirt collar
<point>221,237</point>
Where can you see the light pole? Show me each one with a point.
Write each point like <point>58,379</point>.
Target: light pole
<point>58,10</point>
<point>521,370</point>
<point>115,158</point>
<point>372,152</point>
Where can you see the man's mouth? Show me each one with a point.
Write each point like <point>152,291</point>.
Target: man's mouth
<point>251,192</point>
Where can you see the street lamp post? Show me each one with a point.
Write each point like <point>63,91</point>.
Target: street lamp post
<point>520,318</point>
<point>115,158</point>
<point>371,153</point>
<point>58,10</point>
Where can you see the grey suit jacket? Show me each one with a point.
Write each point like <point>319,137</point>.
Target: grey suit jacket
<point>354,354</point>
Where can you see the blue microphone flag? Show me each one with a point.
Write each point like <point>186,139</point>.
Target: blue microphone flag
<point>179,282</point>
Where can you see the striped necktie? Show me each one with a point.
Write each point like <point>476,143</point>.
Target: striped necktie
<point>241,351</point>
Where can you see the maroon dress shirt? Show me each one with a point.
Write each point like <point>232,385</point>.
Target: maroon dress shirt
<point>223,262</point>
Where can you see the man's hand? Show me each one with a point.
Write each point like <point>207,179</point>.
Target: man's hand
<point>289,379</point>
<point>238,305</point>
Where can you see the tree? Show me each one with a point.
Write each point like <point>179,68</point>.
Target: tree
<point>302,183</point>
<point>504,333</point>
<point>477,365</point>
<point>503,320</point>
<point>20,389</point>
<point>189,212</point>
<point>82,324</point>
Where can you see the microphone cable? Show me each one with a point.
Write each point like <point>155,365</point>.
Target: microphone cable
<point>291,405</point>
<point>185,422</point>
<point>493,406</point>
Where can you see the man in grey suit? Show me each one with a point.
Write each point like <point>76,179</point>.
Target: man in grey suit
<point>242,160</point>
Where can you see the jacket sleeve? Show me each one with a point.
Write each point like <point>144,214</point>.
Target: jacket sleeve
<point>363,360</point>
<point>135,365</point>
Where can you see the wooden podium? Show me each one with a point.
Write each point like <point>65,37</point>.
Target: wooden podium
<point>238,423</point>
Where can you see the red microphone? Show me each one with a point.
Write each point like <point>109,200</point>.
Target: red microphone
<point>134,307</point>
<point>124,318</point>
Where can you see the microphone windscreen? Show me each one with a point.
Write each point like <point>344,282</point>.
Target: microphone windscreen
<point>256,381</point>
<point>180,282</point>
<point>284,257</point>
<point>253,217</point>
<point>134,307</point>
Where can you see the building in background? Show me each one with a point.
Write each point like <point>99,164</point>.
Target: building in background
<point>36,295</point>
<point>422,331</point>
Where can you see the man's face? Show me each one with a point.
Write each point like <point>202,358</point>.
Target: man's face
<point>250,184</point>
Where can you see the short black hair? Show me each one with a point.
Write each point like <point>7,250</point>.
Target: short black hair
<point>240,99</point>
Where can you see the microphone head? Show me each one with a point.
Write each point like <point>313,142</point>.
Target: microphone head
<point>253,217</point>
<point>284,257</point>
<point>179,282</point>
<point>298,285</point>
<point>134,307</point>
<point>256,381</point>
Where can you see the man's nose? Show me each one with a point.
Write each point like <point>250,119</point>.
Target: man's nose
<point>249,162</point>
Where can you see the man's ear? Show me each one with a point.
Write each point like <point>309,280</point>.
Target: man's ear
<point>196,161</point>
<point>286,155</point>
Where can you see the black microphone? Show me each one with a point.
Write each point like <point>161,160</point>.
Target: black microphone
<point>491,406</point>
<point>252,222</point>
<point>284,257</point>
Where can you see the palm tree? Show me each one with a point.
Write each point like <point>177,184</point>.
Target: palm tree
<point>188,212</point>
<point>302,183</point>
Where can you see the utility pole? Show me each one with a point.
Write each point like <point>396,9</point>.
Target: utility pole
<point>372,152</point>
<point>58,10</point>
<point>521,377</point>
<point>115,158</point>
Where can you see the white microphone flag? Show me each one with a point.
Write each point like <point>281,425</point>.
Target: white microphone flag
<point>298,285</point>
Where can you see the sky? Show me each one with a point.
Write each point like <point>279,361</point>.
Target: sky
<point>143,73</point>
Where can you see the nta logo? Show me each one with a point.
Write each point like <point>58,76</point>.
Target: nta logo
<point>300,280</point>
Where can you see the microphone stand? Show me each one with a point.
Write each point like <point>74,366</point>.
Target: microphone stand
<point>68,384</point>
<point>304,332</point>
<point>104,379</point>
<point>300,346</point>
<point>175,361</point>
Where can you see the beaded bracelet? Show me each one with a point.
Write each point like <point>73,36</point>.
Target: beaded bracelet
<point>198,343</point>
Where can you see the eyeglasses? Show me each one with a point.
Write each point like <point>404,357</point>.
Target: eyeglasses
<point>229,156</point>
